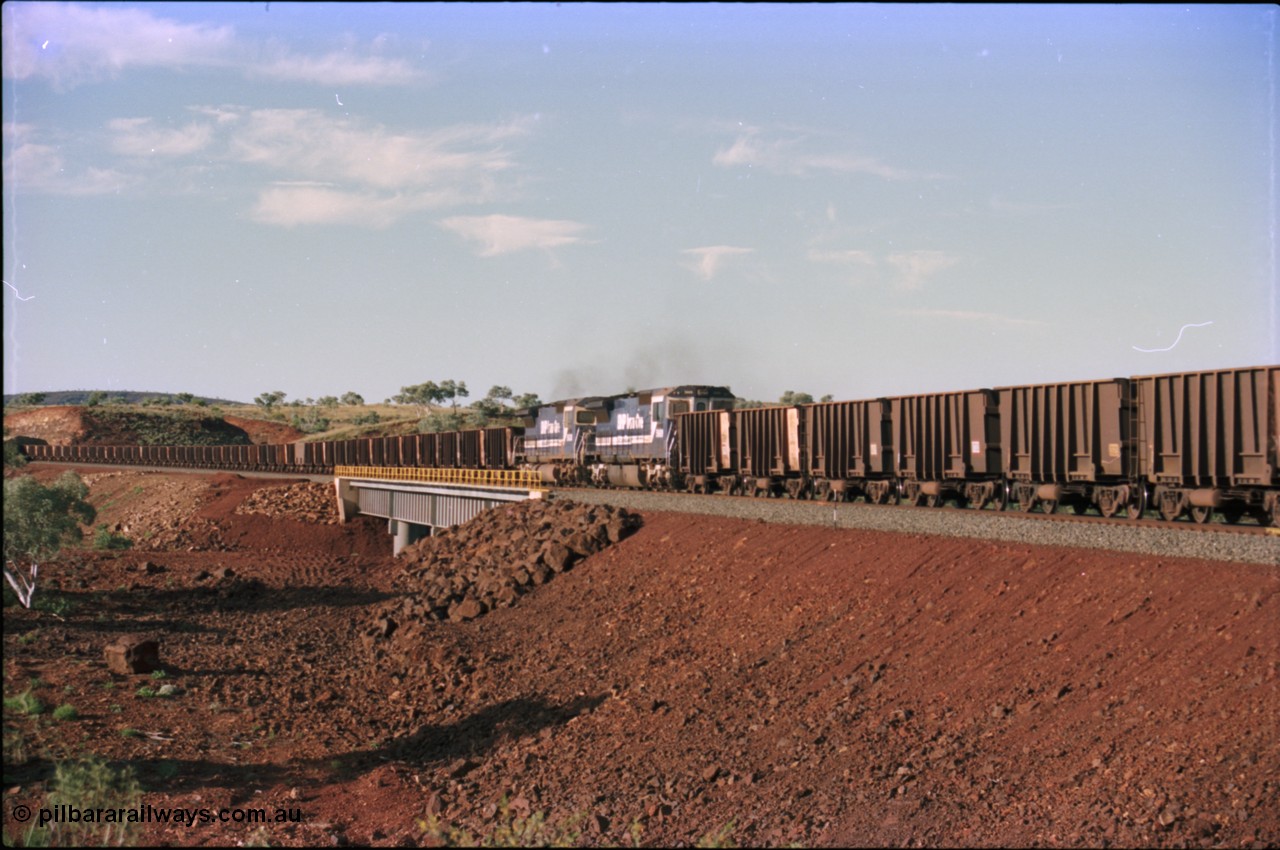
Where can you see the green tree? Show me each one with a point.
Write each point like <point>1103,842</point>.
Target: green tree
<point>95,398</point>
<point>453,390</point>
<point>30,399</point>
<point>186,398</point>
<point>327,401</point>
<point>421,395</point>
<point>792,397</point>
<point>353,398</point>
<point>527,400</point>
<point>38,521</point>
<point>269,400</point>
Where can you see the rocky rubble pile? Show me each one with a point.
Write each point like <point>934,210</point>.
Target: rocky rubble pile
<point>305,501</point>
<point>468,570</point>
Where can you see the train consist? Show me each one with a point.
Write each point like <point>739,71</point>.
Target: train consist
<point>1195,443</point>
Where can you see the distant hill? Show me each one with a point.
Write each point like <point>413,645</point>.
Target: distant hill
<point>125,396</point>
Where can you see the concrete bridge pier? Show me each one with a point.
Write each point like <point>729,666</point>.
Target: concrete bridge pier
<point>405,534</point>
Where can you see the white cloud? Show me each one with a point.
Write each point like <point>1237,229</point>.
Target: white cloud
<point>708,260</point>
<point>915,267</point>
<point>502,234</point>
<point>338,69</point>
<point>318,146</point>
<point>294,204</point>
<point>844,257</point>
<point>795,156</point>
<point>140,137</point>
<point>67,43</point>
<point>42,168</point>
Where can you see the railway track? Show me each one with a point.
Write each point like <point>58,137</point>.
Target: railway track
<point>1214,542</point>
<point>1245,527</point>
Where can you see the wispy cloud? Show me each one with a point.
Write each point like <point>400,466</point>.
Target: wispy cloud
<point>707,261</point>
<point>973,316</point>
<point>295,204</point>
<point>903,270</point>
<point>70,44</point>
<point>42,168</point>
<point>338,69</point>
<point>317,145</point>
<point>503,234</point>
<point>798,155</point>
<point>851,257</point>
<point>67,43</point>
<point>141,137</point>
<point>914,268</point>
<point>370,174</point>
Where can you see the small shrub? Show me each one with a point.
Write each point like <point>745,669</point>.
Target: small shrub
<point>25,703</point>
<point>146,692</point>
<point>105,539</point>
<point>66,711</point>
<point>130,733</point>
<point>85,785</point>
<point>55,603</point>
<point>509,830</point>
<point>159,674</point>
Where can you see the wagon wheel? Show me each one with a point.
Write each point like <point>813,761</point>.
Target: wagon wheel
<point>1049,506</point>
<point>935,501</point>
<point>981,503</point>
<point>1026,503</point>
<point>1201,513</point>
<point>1108,506</point>
<point>1233,514</point>
<point>1000,500</point>
<point>1137,505</point>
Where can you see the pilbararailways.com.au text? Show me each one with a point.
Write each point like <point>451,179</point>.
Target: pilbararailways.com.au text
<point>180,816</point>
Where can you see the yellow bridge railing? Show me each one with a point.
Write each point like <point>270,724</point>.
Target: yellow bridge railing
<point>523,478</point>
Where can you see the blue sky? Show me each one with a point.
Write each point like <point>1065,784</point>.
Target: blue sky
<point>859,200</point>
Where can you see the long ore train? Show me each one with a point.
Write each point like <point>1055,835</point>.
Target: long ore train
<point>1186,443</point>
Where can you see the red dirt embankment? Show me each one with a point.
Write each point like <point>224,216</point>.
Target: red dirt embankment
<point>797,684</point>
<point>56,425</point>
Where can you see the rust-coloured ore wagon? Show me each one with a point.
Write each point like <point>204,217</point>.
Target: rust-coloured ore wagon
<point>849,446</point>
<point>947,446</point>
<point>1072,443</point>
<point>1208,441</point>
<point>705,450</point>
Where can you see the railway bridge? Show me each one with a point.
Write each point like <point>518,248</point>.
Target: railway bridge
<point>415,501</point>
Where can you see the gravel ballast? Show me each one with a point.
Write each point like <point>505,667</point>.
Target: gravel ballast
<point>953,522</point>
